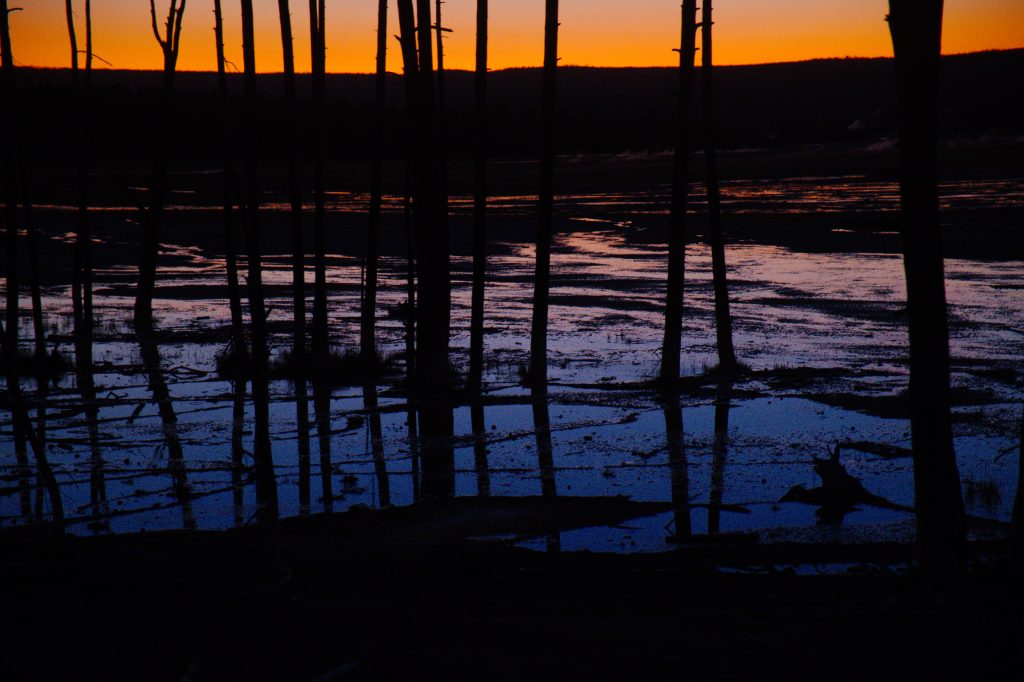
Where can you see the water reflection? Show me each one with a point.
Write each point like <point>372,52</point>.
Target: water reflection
<point>719,452</point>
<point>169,423</point>
<point>238,469</point>
<point>437,451</point>
<point>680,477</point>
<point>483,474</point>
<point>322,408</point>
<point>302,424</point>
<point>545,457</point>
<point>372,407</point>
<point>99,507</point>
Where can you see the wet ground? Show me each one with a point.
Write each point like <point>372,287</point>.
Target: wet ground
<point>823,331</point>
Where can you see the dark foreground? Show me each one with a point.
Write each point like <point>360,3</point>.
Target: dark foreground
<point>415,594</point>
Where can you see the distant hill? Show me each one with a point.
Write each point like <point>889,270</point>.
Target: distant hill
<point>600,109</point>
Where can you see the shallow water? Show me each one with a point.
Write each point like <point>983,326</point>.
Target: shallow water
<point>841,313</point>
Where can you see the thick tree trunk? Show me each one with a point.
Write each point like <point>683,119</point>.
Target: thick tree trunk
<point>318,44</point>
<point>230,250</point>
<point>476,324</point>
<point>672,344</point>
<point>291,123</point>
<point>723,316</point>
<point>368,321</point>
<point>916,28</point>
<point>433,310</point>
<point>538,371</point>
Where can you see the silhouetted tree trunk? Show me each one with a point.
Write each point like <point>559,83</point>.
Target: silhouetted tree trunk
<point>302,434</point>
<point>410,65</point>
<point>32,241</point>
<point>476,324</point>
<point>238,451</point>
<point>916,28</point>
<point>318,44</point>
<point>437,450</point>
<point>723,317</point>
<point>433,310</point>
<point>538,371</point>
<point>368,321</point>
<point>545,457</point>
<point>230,251</point>
<point>7,87</point>
<point>294,191</point>
<point>266,485</point>
<point>672,344</point>
<point>81,274</point>
<point>169,43</point>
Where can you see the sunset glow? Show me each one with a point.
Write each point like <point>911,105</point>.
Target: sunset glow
<point>594,32</point>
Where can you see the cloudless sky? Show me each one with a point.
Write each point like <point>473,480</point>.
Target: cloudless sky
<point>593,32</point>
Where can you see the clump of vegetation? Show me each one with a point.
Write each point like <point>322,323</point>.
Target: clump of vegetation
<point>982,494</point>
<point>29,364</point>
<point>349,368</point>
<point>233,363</point>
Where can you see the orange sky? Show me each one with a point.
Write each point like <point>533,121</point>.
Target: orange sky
<point>594,32</point>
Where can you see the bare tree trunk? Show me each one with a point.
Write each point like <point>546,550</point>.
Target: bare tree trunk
<point>433,310</point>
<point>672,344</point>
<point>916,28</point>
<point>723,317</point>
<point>368,321</point>
<point>294,191</point>
<point>538,371</point>
<point>10,95</point>
<point>407,26</point>
<point>169,43</point>
<point>81,277</point>
<point>318,42</point>
<point>476,324</point>
<point>230,250</point>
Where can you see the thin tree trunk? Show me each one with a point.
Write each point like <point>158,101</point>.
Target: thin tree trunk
<point>318,43</point>
<point>230,250</point>
<point>672,344</point>
<point>407,41</point>
<point>294,191</point>
<point>81,275</point>
<point>538,372</point>
<point>322,411</point>
<point>480,452</point>
<point>304,451</point>
<point>32,242</point>
<point>916,28</point>
<point>372,407</point>
<point>723,317</point>
<point>8,112</point>
<point>368,321</point>
<point>719,453</point>
<point>476,324</point>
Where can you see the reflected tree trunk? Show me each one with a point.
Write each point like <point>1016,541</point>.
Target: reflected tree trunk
<point>32,244</point>
<point>1017,535</point>
<point>372,407</point>
<point>230,182</point>
<point>480,452</point>
<point>98,504</point>
<point>303,429</point>
<point>290,126</point>
<point>169,41</point>
<point>723,316</point>
<point>238,452</point>
<point>673,339</point>
<point>412,433</point>
<point>476,324</point>
<point>719,453</point>
<point>537,374</point>
<point>916,28</point>
<point>675,439</point>
<point>322,408</point>
<point>169,421</point>
<point>545,457</point>
<point>436,448</point>
<point>318,49</point>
